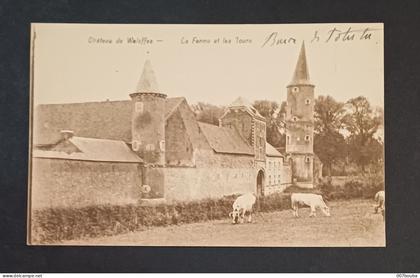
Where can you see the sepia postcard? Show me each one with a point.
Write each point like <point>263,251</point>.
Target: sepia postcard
<point>207,135</point>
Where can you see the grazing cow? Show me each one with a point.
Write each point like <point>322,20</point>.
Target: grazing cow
<point>242,205</point>
<point>312,200</point>
<point>380,202</point>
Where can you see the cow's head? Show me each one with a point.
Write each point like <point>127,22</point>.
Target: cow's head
<point>235,216</point>
<point>325,210</point>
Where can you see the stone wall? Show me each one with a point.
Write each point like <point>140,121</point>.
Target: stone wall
<point>71,183</point>
<point>214,176</point>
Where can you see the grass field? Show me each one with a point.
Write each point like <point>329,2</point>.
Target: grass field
<point>352,223</point>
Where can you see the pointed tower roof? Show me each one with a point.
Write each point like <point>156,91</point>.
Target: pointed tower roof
<point>301,75</point>
<point>147,82</point>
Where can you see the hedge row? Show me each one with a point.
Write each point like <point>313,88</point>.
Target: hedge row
<point>57,224</point>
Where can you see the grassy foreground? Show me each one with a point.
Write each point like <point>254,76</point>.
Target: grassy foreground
<point>352,223</point>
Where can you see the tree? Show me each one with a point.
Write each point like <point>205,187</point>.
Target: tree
<point>362,122</point>
<point>328,114</point>
<point>208,113</point>
<point>329,143</point>
<point>271,111</point>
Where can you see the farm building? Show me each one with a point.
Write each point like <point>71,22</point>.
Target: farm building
<point>152,146</point>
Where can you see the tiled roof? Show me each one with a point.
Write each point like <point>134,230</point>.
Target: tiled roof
<point>271,151</point>
<point>91,149</point>
<point>105,120</point>
<point>225,140</point>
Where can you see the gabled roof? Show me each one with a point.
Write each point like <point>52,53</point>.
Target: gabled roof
<point>243,104</point>
<point>91,149</point>
<point>271,151</point>
<point>147,82</point>
<point>171,105</point>
<point>225,140</point>
<point>106,120</point>
<point>301,74</point>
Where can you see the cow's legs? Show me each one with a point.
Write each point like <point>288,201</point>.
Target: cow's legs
<point>312,214</point>
<point>295,210</point>
<point>250,217</point>
<point>243,216</point>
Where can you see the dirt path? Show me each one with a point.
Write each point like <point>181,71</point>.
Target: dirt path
<point>352,223</point>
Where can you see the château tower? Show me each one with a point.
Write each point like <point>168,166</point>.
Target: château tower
<point>300,123</point>
<point>148,118</point>
<point>148,129</point>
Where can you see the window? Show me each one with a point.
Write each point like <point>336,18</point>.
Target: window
<point>162,145</point>
<point>295,118</point>
<point>150,147</point>
<point>307,159</point>
<point>295,89</point>
<point>288,139</point>
<point>307,137</point>
<point>139,107</point>
<point>135,145</point>
<point>307,101</point>
<point>269,180</point>
<point>278,179</point>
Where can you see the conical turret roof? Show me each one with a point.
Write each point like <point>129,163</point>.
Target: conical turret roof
<point>301,74</point>
<point>147,82</point>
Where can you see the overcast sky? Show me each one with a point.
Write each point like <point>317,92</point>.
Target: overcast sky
<point>70,67</point>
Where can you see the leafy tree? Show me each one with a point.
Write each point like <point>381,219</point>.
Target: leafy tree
<point>329,143</point>
<point>272,113</point>
<point>328,114</point>
<point>362,122</point>
<point>208,113</point>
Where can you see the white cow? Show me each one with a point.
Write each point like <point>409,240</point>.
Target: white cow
<point>242,205</point>
<point>312,200</point>
<point>380,201</point>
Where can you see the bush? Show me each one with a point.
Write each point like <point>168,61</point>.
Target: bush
<point>57,224</point>
<point>359,187</point>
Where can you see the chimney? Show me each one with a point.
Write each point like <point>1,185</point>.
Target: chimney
<point>66,134</point>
